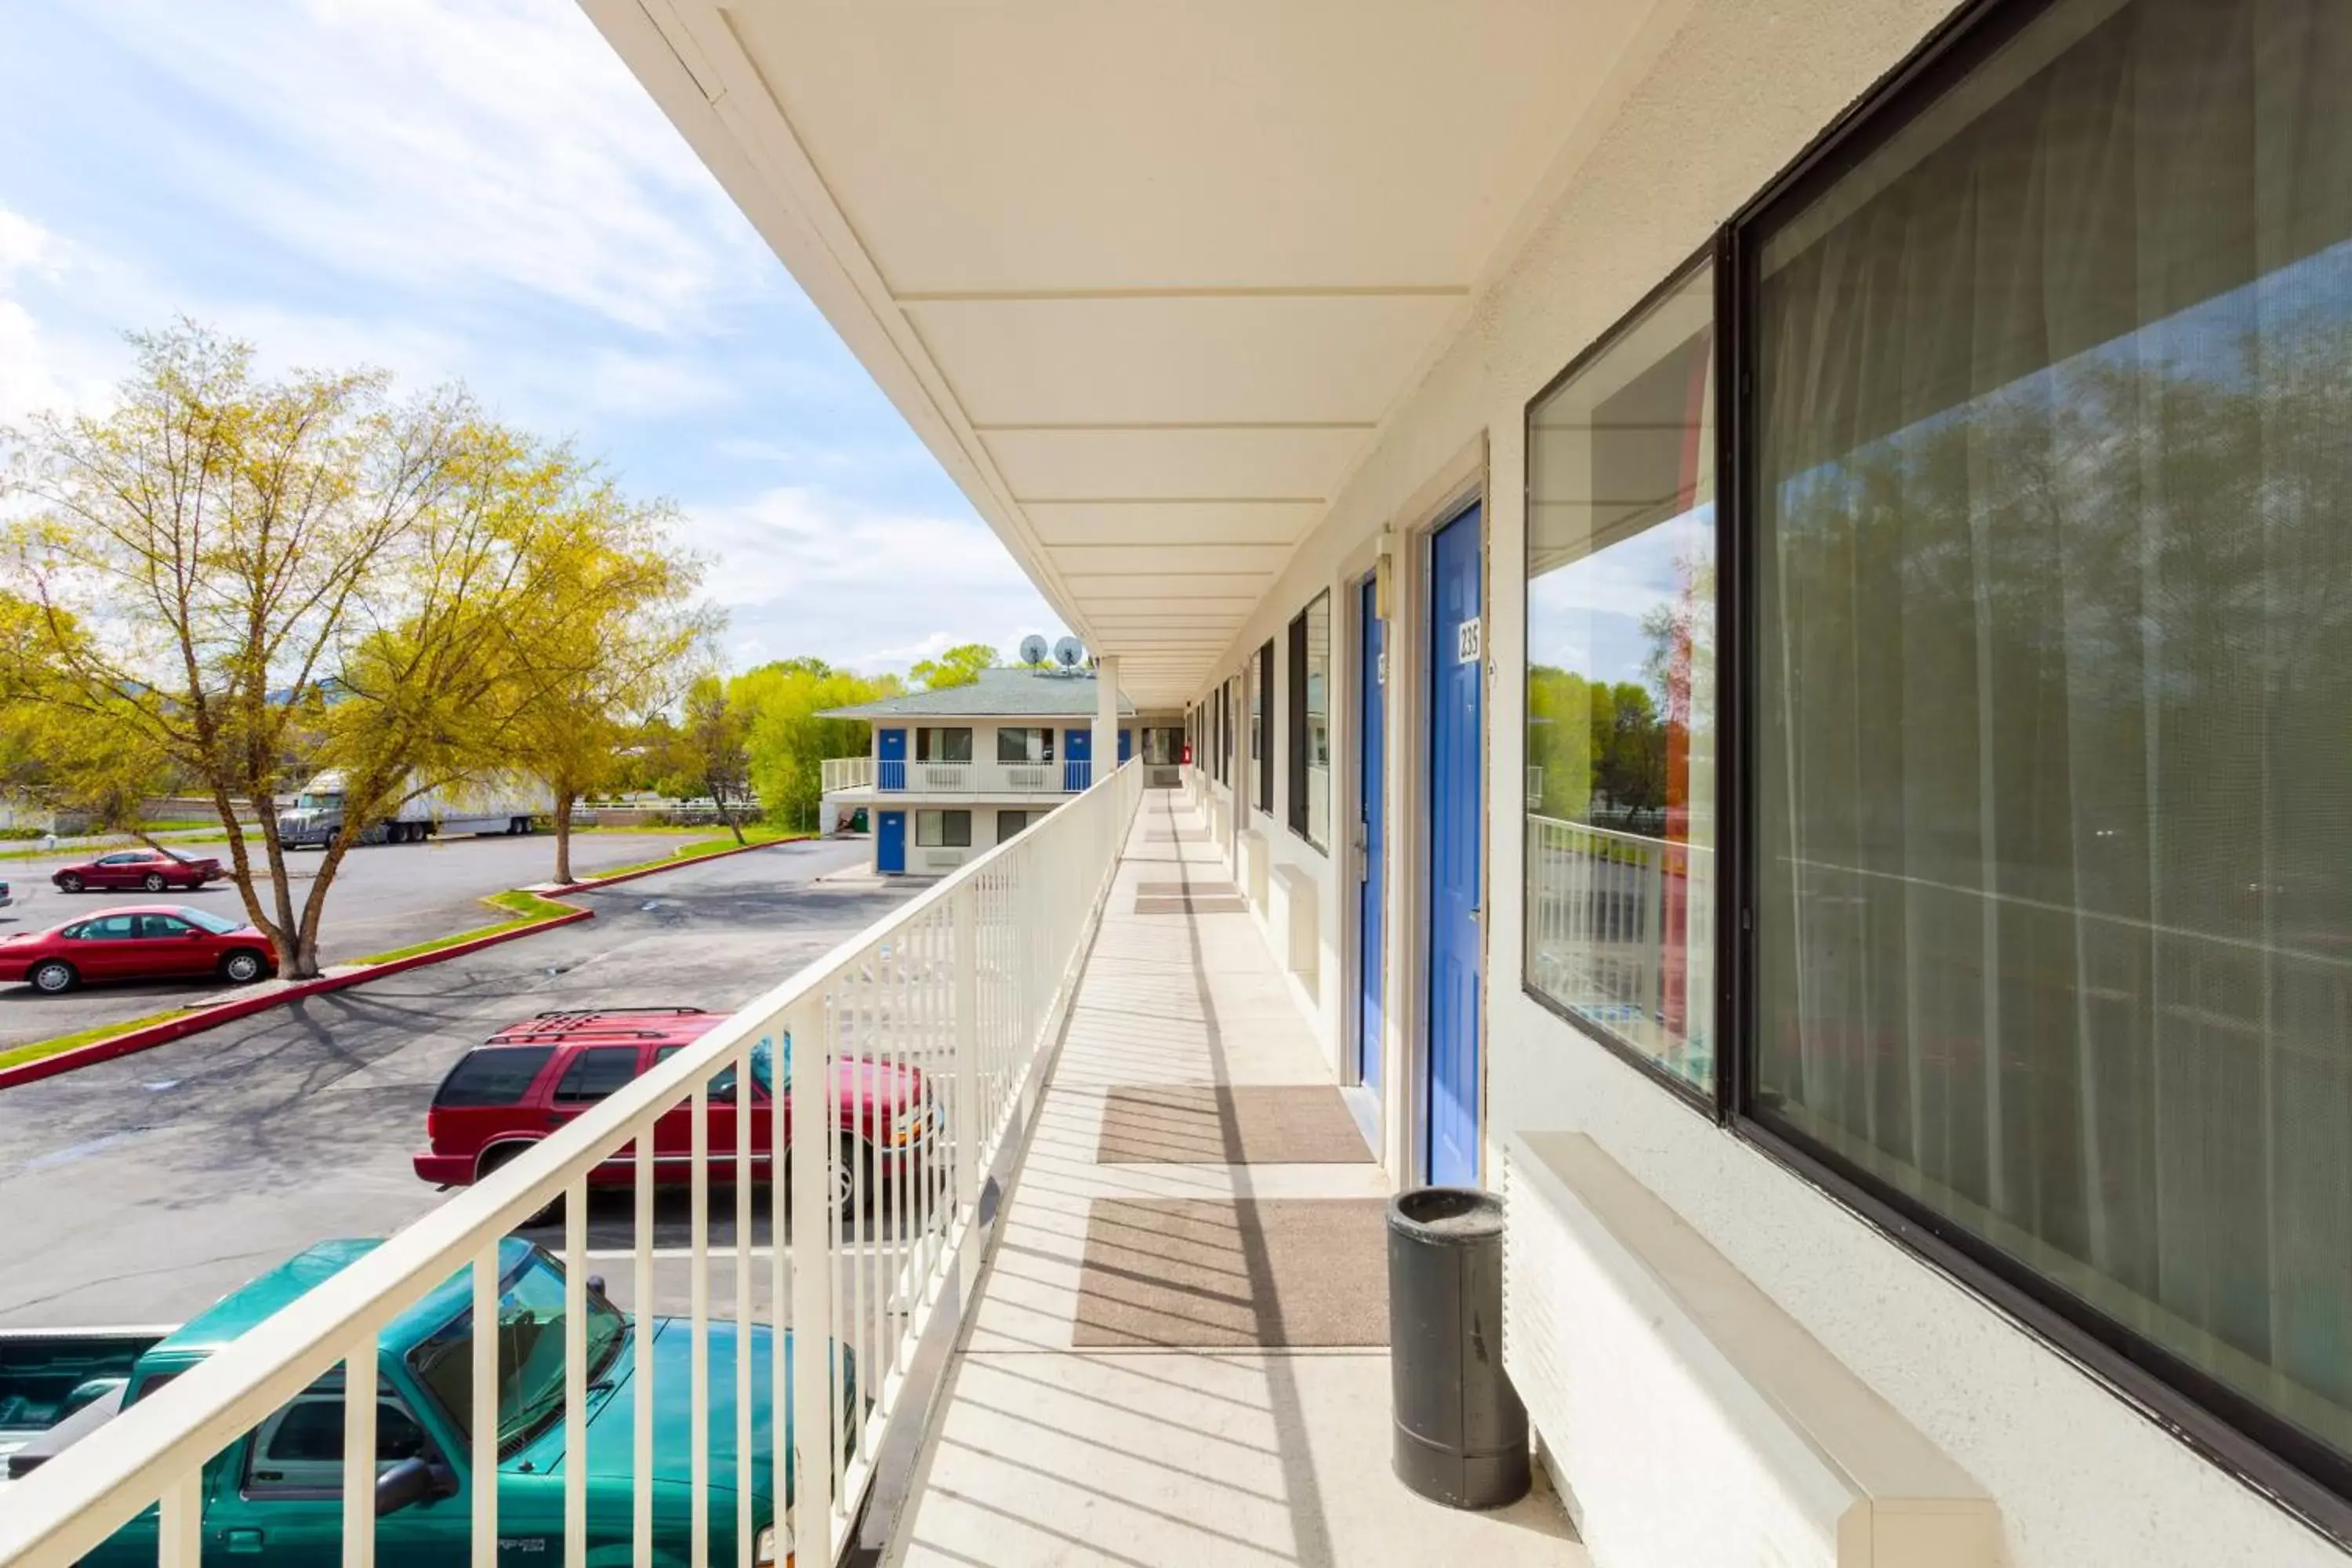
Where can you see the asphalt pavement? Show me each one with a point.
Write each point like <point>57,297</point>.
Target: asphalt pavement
<point>384,896</point>
<point>142,1189</point>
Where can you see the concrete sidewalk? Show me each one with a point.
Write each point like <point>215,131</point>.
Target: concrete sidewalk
<point>1176,1359</point>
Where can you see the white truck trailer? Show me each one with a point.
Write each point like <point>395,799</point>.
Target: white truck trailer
<point>505,803</point>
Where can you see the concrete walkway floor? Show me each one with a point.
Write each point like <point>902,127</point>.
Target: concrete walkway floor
<point>1179,1352</point>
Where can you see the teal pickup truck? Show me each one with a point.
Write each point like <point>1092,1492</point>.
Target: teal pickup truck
<point>276,1493</point>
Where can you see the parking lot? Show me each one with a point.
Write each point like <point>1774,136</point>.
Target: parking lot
<point>384,896</point>
<point>142,1189</point>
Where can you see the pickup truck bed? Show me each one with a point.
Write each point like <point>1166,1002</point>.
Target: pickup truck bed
<point>49,1376</point>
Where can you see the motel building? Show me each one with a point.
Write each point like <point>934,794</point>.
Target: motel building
<point>955,772</point>
<point>1759,601</point>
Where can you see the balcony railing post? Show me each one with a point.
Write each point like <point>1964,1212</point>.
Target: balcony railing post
<point>811,1154</point>
<point>359,1455</point>
<point>967,1083</point>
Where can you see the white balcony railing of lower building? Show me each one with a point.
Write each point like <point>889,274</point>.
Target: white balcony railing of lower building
<point>893,777</point>
<point>843,774</point>
<point>965,984</point>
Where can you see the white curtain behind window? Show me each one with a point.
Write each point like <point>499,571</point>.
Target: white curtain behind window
<point>2056,700</point>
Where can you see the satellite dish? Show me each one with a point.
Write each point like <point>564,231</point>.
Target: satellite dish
<point>1033,649</point>
<point>1069,653</point>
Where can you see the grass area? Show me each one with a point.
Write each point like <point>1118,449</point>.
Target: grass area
<point>39,1049</point>
<point>530,906</point>
<point>101,844</point>
<point>696,849</point>
<point>528,909</point>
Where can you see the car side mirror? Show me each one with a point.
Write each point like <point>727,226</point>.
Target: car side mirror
<point>413,1480</point>
<point>595,1285</point>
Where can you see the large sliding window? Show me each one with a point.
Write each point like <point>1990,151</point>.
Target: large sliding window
<point>2053,685</point>
<point>943,745</point>
<point>1018,745</point>
<point>2041,782</point>
<point>1310,723</point>
<point>1620,931</point>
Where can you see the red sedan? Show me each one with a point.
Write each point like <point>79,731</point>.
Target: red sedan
<point>150,942</point>
<point>154,869</point>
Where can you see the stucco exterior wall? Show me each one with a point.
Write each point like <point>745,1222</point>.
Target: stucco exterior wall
<point>1731,94</point>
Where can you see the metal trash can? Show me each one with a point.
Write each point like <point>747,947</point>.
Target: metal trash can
<point>1461,1432</point>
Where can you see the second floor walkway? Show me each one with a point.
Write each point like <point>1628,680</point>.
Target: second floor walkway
<point>1178,1354</point>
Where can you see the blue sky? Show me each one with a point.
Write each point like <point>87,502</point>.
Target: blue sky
<point>476,190</point>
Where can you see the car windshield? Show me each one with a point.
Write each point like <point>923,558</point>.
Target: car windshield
<point>219,925</point>
<point>530,1354</point>
<point>306,801</point>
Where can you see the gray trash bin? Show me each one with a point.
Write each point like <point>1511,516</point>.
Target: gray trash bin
<point>1461,1432</point>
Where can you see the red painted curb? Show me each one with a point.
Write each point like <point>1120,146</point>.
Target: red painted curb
<point>124,1045</point>
<point>671,865</point>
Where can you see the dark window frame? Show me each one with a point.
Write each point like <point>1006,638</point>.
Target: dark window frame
<point>2300,1474</point>
<point>1293,694</point>
<point>1264,743</point>
<point>1707,1101</point>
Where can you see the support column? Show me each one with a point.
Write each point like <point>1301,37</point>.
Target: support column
<point>1106,741</point>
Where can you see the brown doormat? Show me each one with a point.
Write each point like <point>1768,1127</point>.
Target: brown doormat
<point>1187,891</point>
<point>1220,1125</point>
<point>1257,1271</point>
<point>1229,904</point>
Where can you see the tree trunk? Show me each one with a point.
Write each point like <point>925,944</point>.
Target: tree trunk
<point>563,837</point>
<point>719,799</point>
<point>306,937</point>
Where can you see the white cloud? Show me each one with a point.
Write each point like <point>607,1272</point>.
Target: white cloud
<point>41,368</point>
<point>434,144</point>
<point>802,571</point>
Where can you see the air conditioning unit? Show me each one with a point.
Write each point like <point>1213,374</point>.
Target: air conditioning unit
<point>944,860</point>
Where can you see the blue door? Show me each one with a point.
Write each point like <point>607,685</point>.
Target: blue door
<point>1456,657</point>
<point>1077,752</point>
<point>892,772</point>
<point>1371,681</point>
<point>890,839</point>
<point>1126,746</point>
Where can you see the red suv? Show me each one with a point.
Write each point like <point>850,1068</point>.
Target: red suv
<point>531,1078</point>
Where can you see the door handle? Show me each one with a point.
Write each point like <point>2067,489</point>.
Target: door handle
<point>241,1541</point>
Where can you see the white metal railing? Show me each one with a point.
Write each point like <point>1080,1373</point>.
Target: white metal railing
<point>964,985</point>
<point>988,778</point>
<point>843,773</point>
<point>1615,923</point>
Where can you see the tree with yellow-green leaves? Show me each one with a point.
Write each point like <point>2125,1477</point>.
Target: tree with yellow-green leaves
<point>232,577</point>
<point>602,646</point>
<point>959,666</point>
<point>786,743</point>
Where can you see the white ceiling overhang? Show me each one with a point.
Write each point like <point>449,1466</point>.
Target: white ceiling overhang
<point>1146,278</point>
